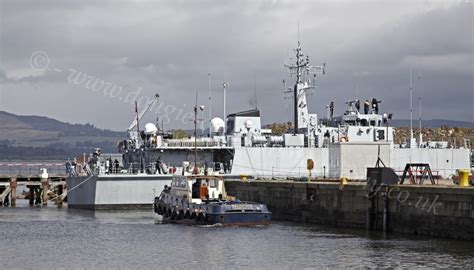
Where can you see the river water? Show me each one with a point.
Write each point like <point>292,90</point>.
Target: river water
<point>51,238</point>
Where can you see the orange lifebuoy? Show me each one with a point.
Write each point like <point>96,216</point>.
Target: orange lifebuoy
<point>343,139</point>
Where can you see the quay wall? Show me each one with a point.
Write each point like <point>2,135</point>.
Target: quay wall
<point>446,212</point>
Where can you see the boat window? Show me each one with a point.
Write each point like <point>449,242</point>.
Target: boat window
<point>195,189</point>
<point>179,183</point>
<point>212,183</point>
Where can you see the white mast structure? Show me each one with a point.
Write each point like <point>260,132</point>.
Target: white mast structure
<point>210,99</point>
<point>412,140</point>
<point>301,116</point>
<point>420,138</point>
<point>225,85</point>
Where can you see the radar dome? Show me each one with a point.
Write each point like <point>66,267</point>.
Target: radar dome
<point>217,125</point>
<point>150,129</point>
<point>248,124</point>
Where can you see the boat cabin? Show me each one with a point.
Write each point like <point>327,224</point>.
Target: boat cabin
<point>195,189</point>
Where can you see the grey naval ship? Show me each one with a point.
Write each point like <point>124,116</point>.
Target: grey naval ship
<point>240,146</point>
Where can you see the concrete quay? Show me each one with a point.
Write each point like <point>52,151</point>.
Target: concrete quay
<point>437,211</point>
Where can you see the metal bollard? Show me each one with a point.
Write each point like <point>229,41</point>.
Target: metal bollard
<point>463,178</point>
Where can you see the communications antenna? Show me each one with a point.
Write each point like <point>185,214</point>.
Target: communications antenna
<point>210,97</point>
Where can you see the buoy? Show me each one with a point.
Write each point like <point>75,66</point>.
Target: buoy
<point>463,178</point>
<point>343,139</point>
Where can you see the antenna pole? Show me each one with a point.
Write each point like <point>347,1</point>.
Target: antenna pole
<point>411,108</point>
<point>419,119</point>
<point>195,134</point>
<point>210,100</point>
<point>225,85</point>
<point>298,31</point>
<point>138,124</point>
<point>255,89</point>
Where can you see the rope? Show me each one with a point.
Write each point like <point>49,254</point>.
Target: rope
<point>68,191</point>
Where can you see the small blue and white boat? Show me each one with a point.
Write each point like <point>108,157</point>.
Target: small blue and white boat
<point>203,200</point>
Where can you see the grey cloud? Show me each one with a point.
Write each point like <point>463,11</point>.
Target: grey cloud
<point>165,47</point>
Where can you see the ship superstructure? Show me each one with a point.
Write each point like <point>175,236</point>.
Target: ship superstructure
<point>343,145</point>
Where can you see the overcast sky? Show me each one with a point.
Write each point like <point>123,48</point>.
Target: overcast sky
<point>81,61</point>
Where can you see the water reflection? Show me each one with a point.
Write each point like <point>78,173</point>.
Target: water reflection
<point>71,238</point>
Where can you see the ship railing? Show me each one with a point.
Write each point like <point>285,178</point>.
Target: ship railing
<point>283,173</point>
<point>151,168</point>
<point>191,143</point>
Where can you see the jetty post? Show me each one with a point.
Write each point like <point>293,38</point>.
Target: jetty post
<point>45,185</point>
<point>13,186</point>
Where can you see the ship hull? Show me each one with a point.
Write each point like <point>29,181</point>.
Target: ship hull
<point>118,192</point>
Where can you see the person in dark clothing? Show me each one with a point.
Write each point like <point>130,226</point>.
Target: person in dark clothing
<point>375,105</point>
<point>110,165</point>
<point>116,166</point>
<point>357,105</point>
<point>158,165</point>
<point>331,109</point>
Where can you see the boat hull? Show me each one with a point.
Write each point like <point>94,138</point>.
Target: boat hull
<point>240,219</point>
<point>247,213</point>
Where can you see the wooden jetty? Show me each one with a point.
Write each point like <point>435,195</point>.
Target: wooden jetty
<point>42,186</point>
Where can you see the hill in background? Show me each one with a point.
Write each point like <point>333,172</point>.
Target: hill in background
<point>38,137</point>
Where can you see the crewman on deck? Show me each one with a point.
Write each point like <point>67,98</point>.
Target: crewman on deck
<point>158,165</point>
<point>375,105</point>
<point>116,166</point>
<point>357,105</point>
<point>366,106</point>
<point>331,109</point>
<point>107,166</point>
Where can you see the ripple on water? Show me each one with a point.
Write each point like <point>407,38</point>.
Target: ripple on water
<point>66,238</point>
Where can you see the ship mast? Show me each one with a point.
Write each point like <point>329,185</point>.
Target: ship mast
<point>411,111</point>
<point>210,99</point>
<point>195,135</point>
<point>301,65</point>
<point>201,108</point>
